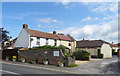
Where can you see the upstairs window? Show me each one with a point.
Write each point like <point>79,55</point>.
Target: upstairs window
<point>55,42</point>
<point>46,41</point>
<point>38,38</point>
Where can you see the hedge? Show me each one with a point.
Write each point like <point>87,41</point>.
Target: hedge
<point>81,55</point>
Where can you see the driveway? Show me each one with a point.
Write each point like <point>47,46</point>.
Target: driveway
<point>98,66</point>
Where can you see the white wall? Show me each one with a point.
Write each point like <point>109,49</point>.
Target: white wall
<point>42,42</point>
<point>23,39</point>
<point>115,48</point>
<point>51,42</point>
<point>106,50</point>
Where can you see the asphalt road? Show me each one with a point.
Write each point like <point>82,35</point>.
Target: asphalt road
<point>16,69</point>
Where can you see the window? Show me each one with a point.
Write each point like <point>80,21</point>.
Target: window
<point>38,43</point>
<point>38,38</point>
<point>46,41</point>
<point>55,42</point>
<point>69,44</point>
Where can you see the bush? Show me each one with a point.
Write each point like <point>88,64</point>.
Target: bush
<point>34,59</point>
<point>45,59</point>
<point>100,55</point>
<point>81,55</point>
<point>94,56</point>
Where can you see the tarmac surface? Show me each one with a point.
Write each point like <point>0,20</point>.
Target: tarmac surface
<point>95,66</point>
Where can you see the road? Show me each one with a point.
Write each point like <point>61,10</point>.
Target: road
<point>99,66</point>
<point>16,69</point>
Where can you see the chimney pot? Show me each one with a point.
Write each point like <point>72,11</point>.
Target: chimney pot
<point>54,32</point>
<point>25,26</point>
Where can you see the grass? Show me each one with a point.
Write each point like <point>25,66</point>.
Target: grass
<point>73,65</point>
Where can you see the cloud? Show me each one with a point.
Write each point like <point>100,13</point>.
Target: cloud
<point>49,27</point>
<point>48,20</point>
<point>89,19</point>
<point>106,7</point>
<point>64,2</point>
<point>40,26</point>
<point>106,31</point>
<point>58,0</point>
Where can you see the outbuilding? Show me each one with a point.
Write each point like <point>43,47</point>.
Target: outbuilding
<point>95,47</point>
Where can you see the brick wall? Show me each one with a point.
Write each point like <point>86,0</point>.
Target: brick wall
<point>42,54</point>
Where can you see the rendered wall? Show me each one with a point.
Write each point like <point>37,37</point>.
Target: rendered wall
<point>23,39</point>
<point>106,51</point>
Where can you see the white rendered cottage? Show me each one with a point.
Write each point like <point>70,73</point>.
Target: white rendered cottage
<point>32,38</point>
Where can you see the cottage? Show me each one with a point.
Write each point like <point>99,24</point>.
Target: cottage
<point>95,47</point>
<point>32,38</point>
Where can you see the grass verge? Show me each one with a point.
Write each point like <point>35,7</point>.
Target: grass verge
<point>74,65</point>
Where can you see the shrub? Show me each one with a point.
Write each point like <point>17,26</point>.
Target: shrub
<point>7,57</point>
<point>14,57</point>
<point>61,62</point>
<point>45,59</point>
<point>34,59</point>
<point>81,55</point>
<point>100,55</point>
<point>94,56</point>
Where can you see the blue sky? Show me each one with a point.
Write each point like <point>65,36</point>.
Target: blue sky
<point>94,20</point>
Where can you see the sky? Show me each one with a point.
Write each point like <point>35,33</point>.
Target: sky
<point>88,20</point>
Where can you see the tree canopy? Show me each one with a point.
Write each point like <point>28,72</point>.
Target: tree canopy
<point>3,34</point>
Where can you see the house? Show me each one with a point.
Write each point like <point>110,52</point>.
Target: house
<point>95,47</point>
<point>29,38</point>
<point>115,47</point>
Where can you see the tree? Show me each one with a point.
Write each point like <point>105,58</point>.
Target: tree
<point>3,34</point>
<point>118,44</point>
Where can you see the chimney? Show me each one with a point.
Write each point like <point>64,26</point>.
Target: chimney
<point>25,26</point>
<point>54,32</point>
<point>83,39</point>
<point>112,42</point>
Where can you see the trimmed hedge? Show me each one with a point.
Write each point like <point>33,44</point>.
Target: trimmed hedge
<point>81,55</point>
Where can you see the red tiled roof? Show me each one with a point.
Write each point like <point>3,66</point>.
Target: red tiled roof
<point>47,35</point>
<point>63,37</point>
<point>41,34</point>
<point>114,45</point>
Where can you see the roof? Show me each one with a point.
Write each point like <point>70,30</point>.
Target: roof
<point>63,37</point>
<point>90,43</point>
<point>41,34</point>
<point>114,45</point>
<point>47,35</point>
